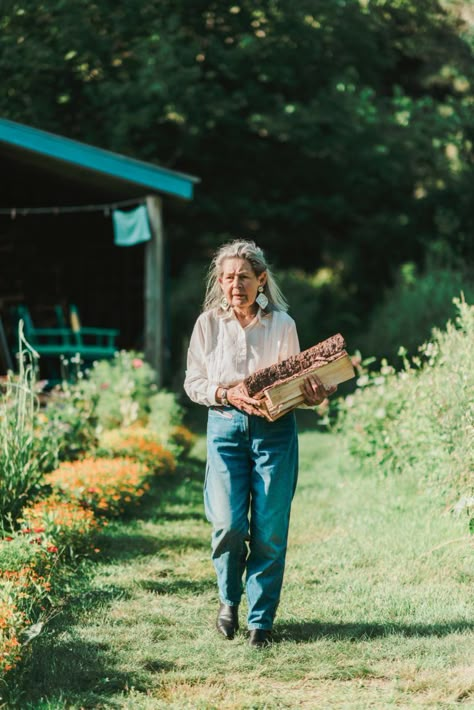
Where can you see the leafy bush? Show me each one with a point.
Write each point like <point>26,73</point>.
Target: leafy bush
<point>106,486</point>
<point>26,573</point>
<point>417,303</point>
<point>422,418</point>
<point>318,304</point>
<point>66,427</point>
<point>139,443</point>
<point>124,386</point>
<point>61,524</point>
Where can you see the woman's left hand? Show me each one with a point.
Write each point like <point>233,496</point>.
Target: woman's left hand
<point>315,392</point>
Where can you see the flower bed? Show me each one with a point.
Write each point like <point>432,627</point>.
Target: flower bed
<point>140,444</point>
<point>26,572</point>
<point>59,527</point>
<point>88,450</point>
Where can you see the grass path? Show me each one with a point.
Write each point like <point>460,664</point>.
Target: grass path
<point>377,608</point>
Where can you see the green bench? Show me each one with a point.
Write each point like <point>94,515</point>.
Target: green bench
<point>68,341</point>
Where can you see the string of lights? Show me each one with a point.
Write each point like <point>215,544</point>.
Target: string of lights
<point>14,212</point>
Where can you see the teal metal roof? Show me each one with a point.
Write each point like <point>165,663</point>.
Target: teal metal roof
<point>98,160</point>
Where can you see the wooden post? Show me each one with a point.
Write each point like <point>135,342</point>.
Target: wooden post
<point>154,289</point>
<point>5,356</point>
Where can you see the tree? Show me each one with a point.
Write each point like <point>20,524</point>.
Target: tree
<point>337,133</point>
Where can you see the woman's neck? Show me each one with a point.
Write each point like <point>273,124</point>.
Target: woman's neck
<point>246,315</point>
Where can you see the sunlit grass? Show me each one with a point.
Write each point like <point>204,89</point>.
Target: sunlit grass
<point>376,611</point>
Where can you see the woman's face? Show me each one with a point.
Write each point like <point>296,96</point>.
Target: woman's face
<point>239,282</point>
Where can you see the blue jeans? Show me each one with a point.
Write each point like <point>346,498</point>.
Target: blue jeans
<point>251,474</point>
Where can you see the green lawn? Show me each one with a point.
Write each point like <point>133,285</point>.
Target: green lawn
<point>376,612</point>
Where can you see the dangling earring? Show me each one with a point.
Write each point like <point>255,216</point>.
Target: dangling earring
<point>224,303</point>
<point>261,299</point>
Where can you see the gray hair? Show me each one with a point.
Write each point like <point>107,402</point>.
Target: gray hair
<point>242,249</point>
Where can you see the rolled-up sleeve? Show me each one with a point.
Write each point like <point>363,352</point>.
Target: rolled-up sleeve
<point>196,381</point>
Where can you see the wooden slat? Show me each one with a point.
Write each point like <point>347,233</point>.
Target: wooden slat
<point>332,373</point>
<point>285,396</point>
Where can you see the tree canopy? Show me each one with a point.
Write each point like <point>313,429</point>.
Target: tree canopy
<point>336,133</point>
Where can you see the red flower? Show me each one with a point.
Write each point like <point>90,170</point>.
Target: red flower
<point>52,548</point>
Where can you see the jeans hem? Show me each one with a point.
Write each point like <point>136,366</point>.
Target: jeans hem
<point>227,602</point>
<point>262,627</point>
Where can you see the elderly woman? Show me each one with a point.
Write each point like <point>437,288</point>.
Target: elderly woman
<point>252,464</point>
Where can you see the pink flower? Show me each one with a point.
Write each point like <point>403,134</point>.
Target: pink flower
<point>104,386</point>
<point>137,362</point>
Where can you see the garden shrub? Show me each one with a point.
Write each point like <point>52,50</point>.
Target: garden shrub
<point>66,426</point>
<point>166,421</point>
<point>124,385</point>
<point>26,574</point>
<point>62,524</point>
<point>418,302</point>
<point>421,419</point>
<point>139,443</point>
<point>107,486</point>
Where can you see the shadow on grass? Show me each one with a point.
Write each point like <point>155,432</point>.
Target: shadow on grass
<point>178,586</point>
<point>72,672</point>
<point>128,546</point>
<point>308,631</point>
<point>175,496</point>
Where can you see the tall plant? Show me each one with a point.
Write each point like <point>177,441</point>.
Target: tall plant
<point>20,469</point>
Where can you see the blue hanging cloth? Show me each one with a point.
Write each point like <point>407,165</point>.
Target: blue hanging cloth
<point>131,227</point>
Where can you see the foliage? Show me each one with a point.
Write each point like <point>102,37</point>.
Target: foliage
<point>166,421</point>
<point>422,417</point>
<point>66,425</point>
<point>181,440</point>
<point>418,302</point>
<point>139,443</point>
<point>60,524</point>
<point>337,134</point>
<point>124,386</point>
<point>26,571</point>
<point>106,486</point>
<point>20,469</point>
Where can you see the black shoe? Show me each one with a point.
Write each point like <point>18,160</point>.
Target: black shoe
<point>228,620</point>
<point>260,638</point>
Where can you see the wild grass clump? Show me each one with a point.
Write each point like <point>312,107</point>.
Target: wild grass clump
<point>20,468</point>
<point>422,418</point>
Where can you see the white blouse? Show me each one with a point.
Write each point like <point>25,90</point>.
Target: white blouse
<point>222,353</point>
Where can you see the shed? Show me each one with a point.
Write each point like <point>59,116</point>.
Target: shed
<point>54,196</point>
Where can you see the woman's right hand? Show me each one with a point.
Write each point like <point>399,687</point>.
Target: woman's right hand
<point>239,398</point>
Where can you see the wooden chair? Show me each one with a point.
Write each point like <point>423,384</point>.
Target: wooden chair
<point>92,342</point>
<point>46,341</point>
<point>68,341</point>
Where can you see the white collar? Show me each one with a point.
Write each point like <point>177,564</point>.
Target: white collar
<point>261,316</point>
